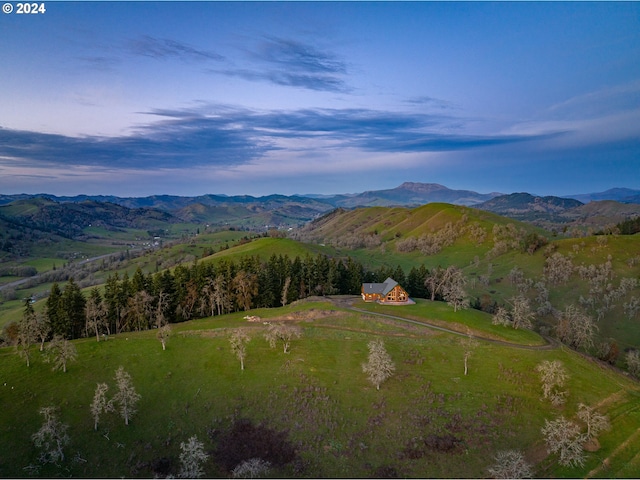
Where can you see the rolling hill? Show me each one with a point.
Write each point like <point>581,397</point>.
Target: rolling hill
<point>527,207</point>
<point>376,225</point>
<point>560,212</point>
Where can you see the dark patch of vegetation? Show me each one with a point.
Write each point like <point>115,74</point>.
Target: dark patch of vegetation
<point>418,447</point>
<point>244,440</point>
<point>386,471</point>
<point>22,271</point>
<point>629,227</point>
<point>162,467</point>
<point>532,242</point>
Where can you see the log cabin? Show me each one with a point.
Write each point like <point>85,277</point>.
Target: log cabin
<point>389,292</point>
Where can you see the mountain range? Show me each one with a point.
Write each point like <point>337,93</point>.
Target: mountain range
<point>407,194</point>
<point>69,215</point>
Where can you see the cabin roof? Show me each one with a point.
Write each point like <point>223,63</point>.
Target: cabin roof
<point>380,288</point>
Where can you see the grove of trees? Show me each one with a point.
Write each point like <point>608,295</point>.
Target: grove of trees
<point>144,301</point>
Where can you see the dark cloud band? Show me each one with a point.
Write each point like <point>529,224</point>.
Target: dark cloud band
<point>226,136</point>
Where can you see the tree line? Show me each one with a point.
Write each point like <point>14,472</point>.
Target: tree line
<point>201,289</point>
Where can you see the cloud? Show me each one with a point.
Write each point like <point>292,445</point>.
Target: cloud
<point>225,137</point>
<point>599,103</point>
<point>164,48</point>
<point>293,63</point>
<point>100,62</point>
<point>165,145</point>
<point>432,102</point>
<point>300,57</point>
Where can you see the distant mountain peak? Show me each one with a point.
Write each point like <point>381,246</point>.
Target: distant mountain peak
<point>625,195</point>
<point>421,187</point>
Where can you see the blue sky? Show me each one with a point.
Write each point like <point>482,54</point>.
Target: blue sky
<point>188,98</point>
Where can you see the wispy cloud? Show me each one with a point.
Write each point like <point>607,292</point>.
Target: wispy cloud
<point>298,56</point>
<point>602,102</point>
<point>165,48</point>
<point>100,62</point>
<point>432,102</point>
<point>226,136</point>
<point>293,63</point>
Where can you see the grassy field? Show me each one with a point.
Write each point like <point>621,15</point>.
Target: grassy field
<point>341,425</point>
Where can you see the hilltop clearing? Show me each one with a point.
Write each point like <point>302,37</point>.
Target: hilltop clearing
<point>423,421</point>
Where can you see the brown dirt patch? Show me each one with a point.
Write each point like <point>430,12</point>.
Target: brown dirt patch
<point>537,453</point>
<point>307,315</point>
<point>592,445</point>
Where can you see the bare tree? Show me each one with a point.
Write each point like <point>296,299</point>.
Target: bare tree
<point>522,316</point>
<point>161,318</point>
<point>239,339</point>
<point>285,291</point>
<point>163,335</point>
<point>468,345</point>
<point>595,421</point>
<point>52,437</point>
<point>558,269</point>
<point>192,456</point>
<point>439,279</point>
<point>252,468</point>
<point>632,307</point>
<point>127,397</point>
<point>42,329</point>
<point>100,404</point>
<point>553,376</point>
<point>510,464</point>
<point>138,311</point>
<point>27,336</point>
<point>379,366</point>
<point>633,362</point>
<point>96,312</point>
<point>501,317</point>
<point>60,351</point>
<point>575,328</point>
<point>245,286</point>
<point>282,332</point>
<point>208,300</point>
<point>453,290</point>
<point>190,300</point>
<point>516,277</point>
<point>221,298</point>
<point>563,437</point>
<point>542,299</point>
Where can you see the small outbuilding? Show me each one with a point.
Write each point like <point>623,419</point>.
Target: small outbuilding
<point>388,292</point>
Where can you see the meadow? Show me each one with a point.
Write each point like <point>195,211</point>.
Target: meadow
<point>340,425</point>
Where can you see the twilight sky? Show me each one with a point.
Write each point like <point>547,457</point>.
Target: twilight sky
<point>188,98</point>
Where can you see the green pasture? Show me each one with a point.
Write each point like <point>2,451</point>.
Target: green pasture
<point>468,322</point>
<point>342,426</point>
<point>266,247</point>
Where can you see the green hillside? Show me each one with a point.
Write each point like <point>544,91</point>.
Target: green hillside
<point>390,223</point>
<point>318,397</point>
<point>266,247</point>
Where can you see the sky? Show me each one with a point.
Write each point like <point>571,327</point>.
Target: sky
<point>258,98</point>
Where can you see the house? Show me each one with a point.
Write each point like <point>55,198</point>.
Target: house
<point>389,292</point>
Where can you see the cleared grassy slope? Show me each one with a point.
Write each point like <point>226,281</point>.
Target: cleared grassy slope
<point>342,426</point>
<point>395,222</point>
